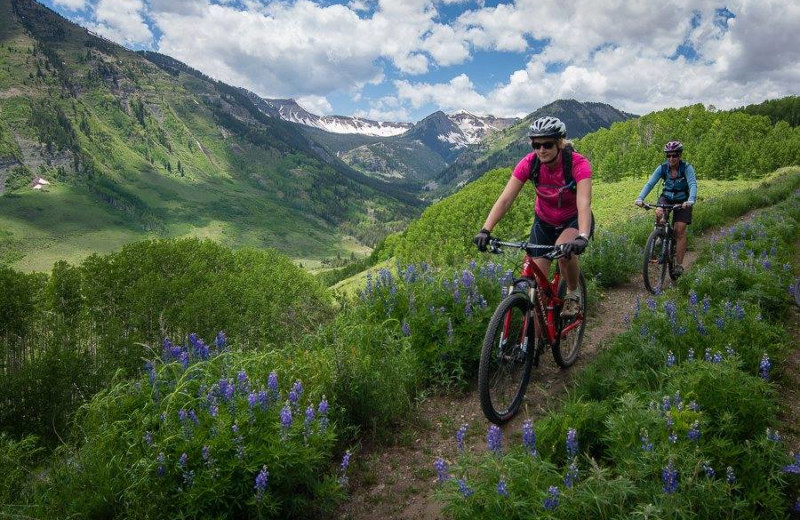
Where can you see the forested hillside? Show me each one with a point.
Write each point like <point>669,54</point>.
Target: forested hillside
<point>138,145</point>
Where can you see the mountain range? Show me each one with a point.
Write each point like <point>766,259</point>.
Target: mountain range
<point>139,145</point>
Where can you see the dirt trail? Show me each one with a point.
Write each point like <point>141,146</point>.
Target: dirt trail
<point>397,483</point>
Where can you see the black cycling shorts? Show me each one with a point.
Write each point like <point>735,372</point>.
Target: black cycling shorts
<point>545,234</point>
<point>678,215</point>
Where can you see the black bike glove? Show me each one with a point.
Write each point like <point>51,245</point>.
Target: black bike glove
<point>482,239</point>
<point>575,247</point>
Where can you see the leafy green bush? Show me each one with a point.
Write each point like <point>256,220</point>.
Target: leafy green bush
<point>205,433</point>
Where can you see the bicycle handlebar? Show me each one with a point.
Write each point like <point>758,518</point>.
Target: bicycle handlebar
<point>645,205</point>
<point>556,251</point>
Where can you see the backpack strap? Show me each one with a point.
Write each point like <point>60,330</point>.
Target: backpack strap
<point>566,168</point>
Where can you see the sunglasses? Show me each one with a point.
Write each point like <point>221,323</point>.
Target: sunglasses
<point>673,155</point>
<point>547,146</point>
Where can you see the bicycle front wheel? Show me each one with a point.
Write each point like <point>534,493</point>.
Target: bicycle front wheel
<point>565,350</point>
<point>506,359</point>
<point>654,269</point>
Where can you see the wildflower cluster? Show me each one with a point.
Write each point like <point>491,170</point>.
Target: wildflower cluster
<point>214,428</point>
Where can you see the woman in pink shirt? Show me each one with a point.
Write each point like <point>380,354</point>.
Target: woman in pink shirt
<point>562,213</point>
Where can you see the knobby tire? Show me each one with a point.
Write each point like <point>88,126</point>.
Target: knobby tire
<point>654,268</point>
<point>506,360</point>
<point>565,350</point>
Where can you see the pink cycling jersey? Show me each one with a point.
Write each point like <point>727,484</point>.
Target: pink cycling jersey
<point>550,189</point>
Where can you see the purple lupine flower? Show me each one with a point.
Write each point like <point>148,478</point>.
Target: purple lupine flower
<point>693,406</point>
<point>252,400</point>
<point>717,357</point>
<point>206,453</point>
<point>651,303</point>
<point>464,488</point>
<point>796,506</point>
<point>694,432</point>
<point>572,475</point>
<point>343,469</point>
<point>494,438</point>
<point>677,401</point>
<point>297,388</point>
<point>707,355</point>
<point>793,468</point>
<point>221,340</point>
<point>213,410</point>
<point>182,415</point>
<point>441,469</point>
<point>730,476</point>
<point>243,381</point>
<point>572,442</point>
<point>262,479</point>
<point>322,409</point>
<point>670,478</point>
<point>502,489</point>
<point>551,502</point>
<point>529,437</point>
<point>406,328</point>
<point>263,400</point>
<point>309,419</point>
<point>183,460</point>
<point>673,437</point>
<point>670,359</point>
<point>729,351</point>
<point>706,304</point>
<point>669,421</point>
<point>691,354</point>
<point>460,433</point>
<point>286,418</point>
<point>773,435</point>
<point>672,311</point>
<point>709,471</point>
<point>645,438</point>
<point>272,386</point>
<point>693,298</point>
<point>666,403</point>
<point>764,366</point>
<point>148,438</point>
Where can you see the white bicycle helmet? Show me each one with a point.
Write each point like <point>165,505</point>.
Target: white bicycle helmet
<point>547,127</point>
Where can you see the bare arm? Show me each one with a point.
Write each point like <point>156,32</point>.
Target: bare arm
<point>584,202</point>
<point>504,201</point>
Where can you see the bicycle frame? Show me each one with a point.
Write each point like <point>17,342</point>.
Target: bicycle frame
<point>543,294</point>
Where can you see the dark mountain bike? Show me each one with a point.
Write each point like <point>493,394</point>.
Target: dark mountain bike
<point>526,321</point>
<point>659,252</point>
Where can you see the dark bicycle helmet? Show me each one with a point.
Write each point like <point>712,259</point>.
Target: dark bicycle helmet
<point>673,146</point>
<point>547,127</point>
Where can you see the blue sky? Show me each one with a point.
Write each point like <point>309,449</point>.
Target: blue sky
<point>400,60</point>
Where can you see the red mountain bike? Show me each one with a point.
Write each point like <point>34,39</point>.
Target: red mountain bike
<point>524,323</point>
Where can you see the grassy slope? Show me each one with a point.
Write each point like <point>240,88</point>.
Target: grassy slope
<point>611,202</point>
<point>230,189</point>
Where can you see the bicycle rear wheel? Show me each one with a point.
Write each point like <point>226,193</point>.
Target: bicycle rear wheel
<point>506,359</point>
<point>654,269</point>
<point>565,350</point>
